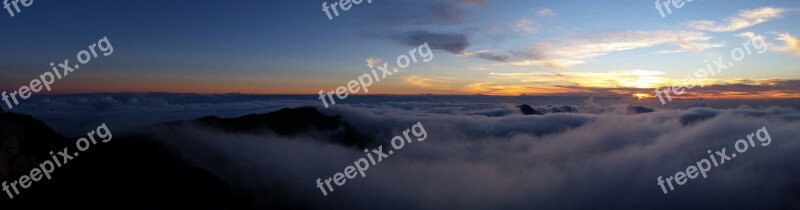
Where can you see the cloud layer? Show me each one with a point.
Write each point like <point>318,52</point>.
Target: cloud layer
<point>489,155</point>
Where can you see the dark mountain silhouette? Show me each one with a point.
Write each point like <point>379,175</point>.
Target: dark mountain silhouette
<point>135,171</point>
<point>528,110</point>
<point>127,173</point>
<point>24,142</point>
<point>290,122</point>
<point>560,109</point>
<point>634,109</point>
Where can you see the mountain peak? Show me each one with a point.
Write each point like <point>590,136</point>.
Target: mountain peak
<point>528,110</point>
<point>291,122</point>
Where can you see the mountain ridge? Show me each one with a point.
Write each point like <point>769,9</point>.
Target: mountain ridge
<point>135,171</point>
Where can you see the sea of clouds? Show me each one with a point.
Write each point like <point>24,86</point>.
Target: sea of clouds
<point>479,154</point>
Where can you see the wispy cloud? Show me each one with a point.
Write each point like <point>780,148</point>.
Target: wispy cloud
<point>422,12</point>
<point>524,25</point>
<point>451,42</point>
<point>493,55</point>
<point>744,19</point>
<point>531,24</point>
<point>746,35</point>
<point>475,2</point>
<point>428,82</point>
<point>619,83</point>
<point>550,63</point>
<point>791,44</point>
<point>636,78</point>
<point>574,51</point>
<point>545,12</point>
<point>372,61</point>
<point>670,51</point>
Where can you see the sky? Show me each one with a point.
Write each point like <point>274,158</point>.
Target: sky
<point>513,47</point>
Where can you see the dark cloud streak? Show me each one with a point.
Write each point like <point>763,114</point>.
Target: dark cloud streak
<point>450,42</point>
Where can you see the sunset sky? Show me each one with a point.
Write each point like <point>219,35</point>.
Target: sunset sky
<point>512,47</point>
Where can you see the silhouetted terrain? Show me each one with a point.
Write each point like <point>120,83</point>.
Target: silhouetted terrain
<point>528,110</point>
<point>134,171</point>
<point>289,122</point>
<point>129,172</point>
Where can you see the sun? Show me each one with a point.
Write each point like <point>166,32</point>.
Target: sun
<point>638,78</point>
<point>641,95</point>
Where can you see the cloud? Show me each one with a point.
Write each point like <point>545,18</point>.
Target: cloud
<point>555,161</point>
<point>751,88</point>
<point>450,42</point>
<point>746,35</point>
<point>475,2</point>
<point>670,51</point>
<point>521,58</point>
<point>428,82</point>
<point>626,83</point>
<point>790,44</point>
<point>422,12</point>
<point>524,25</point>
<point>637,83</point>
<point>624,78</point>
<point>73,114</point>
<point>372,61</point>
<point>615,42</point>
<point>492,55</point>
<point>545,12</point>
<point>573,51</point>
<point>529,25</point>
<point>550,63</point>
<point>745,18</point>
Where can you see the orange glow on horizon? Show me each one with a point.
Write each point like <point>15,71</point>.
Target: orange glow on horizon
<point>633,84</point>
<point>641,96</point>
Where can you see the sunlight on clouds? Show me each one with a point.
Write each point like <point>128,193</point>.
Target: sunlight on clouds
<point>641,95</point>
<point>574,51</point>
<point>744,19</point>
<point>670,51</point>
<point>745,89</point>
<point>552,63</point>
<point>494,88</point>
<point>569,52</point>
<point>694,41</point>
<point>747,35</point>
<point>638,78</point>
<point>791,44</point>
<point>528,25</point>
<point>637,84</point>
<point>372,61</point>
<point>625,78</point>
<point>428,82</point>
<point>419,81</point>
<point>774,94</point>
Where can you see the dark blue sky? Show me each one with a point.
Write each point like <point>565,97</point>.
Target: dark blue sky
<point>482,46</point>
